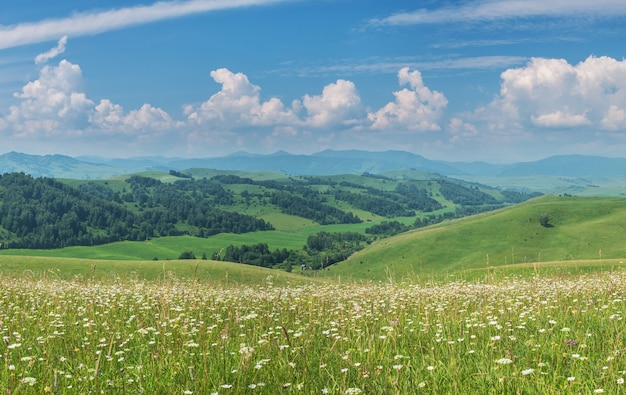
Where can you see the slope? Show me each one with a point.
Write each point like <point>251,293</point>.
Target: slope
<point>578,228</point>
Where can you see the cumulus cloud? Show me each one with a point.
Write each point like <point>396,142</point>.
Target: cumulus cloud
<point>460,129</point>
<point>107,116</point>
<point>560,119</point>
<point>614,118</point>
<point>551,93</point>
<point>50,103</point>
<point>86,23</point>
<point>238,103</point>
<point>56,104</point>
<point>339,103</point>
<point>53,52</point>
<point>417,108</point>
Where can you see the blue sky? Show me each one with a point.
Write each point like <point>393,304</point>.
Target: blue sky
<point>487,80</point>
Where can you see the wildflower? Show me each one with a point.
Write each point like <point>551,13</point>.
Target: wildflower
<point>431,368</point>
<point>571,342</point>
<point>353,391</point>
<point>571,379</point>
<point>598,391</point>
<point>226,386</point>
<point>244,350</point>
<point>504,361</point>
<point>187,392</point>
<point>421,384</point>
<point>29,380</point>
<point>526,372</point>
<point>620,381</point>
<point>397,367</point>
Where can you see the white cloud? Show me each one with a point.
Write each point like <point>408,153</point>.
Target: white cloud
<point>418,108</point>
<point>53,52</point>
<point>614,119</point>
<point>55,104</point>
<point>560,119</point>
<point>238,103</point>
<point>86,23</point>
<point>110,117</point>
<point>551,93</point>
<point>491,10</point>
<point>339,103</point>
<point>461,130</point>
<point>50,103</point>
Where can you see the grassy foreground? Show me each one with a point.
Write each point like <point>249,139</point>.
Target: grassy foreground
<point>547,335</point>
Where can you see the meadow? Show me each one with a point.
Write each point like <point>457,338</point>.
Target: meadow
<point>81,334</point>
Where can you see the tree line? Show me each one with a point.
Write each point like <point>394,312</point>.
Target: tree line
<point>321,250</point>
<point>45,213</point>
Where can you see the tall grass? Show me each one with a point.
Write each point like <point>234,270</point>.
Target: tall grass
<point>514,336</point>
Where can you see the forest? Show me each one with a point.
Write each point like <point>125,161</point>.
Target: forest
<point>45,213</point>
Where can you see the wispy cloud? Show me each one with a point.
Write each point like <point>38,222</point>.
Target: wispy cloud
<point>87,23</point>
<point>491,10</point>
<point>53,52</point>
<point>378,65</point>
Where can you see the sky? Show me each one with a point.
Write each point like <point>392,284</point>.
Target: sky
<point>498,81</point>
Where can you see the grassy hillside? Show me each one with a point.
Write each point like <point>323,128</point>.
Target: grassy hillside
<point>164,248</point>
<point>579,228</point>
<point>166,271</point>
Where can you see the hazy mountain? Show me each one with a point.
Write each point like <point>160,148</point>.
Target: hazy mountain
<point>569,165</point>
<point>54,166</point>
<point>322,163</point>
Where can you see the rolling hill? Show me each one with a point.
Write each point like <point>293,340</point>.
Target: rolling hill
<point>578,228</point>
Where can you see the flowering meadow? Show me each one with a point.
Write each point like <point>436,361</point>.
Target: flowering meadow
<point>552,335</point>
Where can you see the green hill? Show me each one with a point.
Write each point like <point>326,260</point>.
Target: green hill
<point>281,222</point>
<point>165,271</point>
<point>577,228</point>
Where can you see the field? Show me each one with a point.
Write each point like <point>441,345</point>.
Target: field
<point>495,303</point>
<point>171,335</point>
<point>579,229</point>
<point>167,248</point>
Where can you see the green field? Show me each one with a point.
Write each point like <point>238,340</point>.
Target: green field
<point>167,248</point>
<point>108,270</point>
<point>207,331</point>
<point>580,228</point>
<point>495,303</point>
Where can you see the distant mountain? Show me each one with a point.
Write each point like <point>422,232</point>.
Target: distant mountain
<point>327,162</point>
<point>53,166</point>
<point>569,165</point>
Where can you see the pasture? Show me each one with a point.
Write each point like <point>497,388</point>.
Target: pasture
<point>181,332</point>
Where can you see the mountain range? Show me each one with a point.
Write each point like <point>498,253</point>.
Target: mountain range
<point>322,163</point>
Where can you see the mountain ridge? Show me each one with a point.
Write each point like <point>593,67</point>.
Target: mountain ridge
<point>328,162</point>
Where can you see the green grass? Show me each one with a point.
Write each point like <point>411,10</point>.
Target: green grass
<point>164,248</point>
<point>545,335</point>
<point>212,272</point>
<point>582,228</point>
